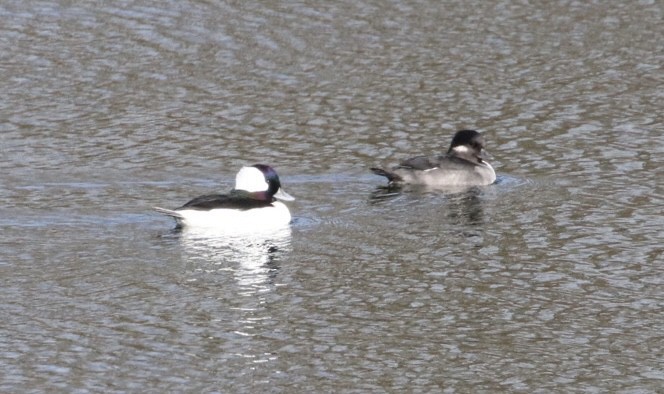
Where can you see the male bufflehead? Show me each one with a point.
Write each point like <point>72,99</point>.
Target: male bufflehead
<point>250,206</point>
<point>463,165</point>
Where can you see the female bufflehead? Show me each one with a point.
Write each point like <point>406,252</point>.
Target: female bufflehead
<point>463,165</point>
<point>250,206</point>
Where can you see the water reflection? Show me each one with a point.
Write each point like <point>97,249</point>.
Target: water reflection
<point>461,205</point>
<point>466,208</point>
<point>234,278</point>
<point>253,259</point>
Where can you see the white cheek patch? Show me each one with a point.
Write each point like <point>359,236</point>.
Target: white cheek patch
<point>250,179</point>
<point>461,149</point>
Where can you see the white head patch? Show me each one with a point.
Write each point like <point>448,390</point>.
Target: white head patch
<point>461,149</point>
<point>250,179</point>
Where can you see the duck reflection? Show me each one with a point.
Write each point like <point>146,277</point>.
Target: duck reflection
<point>252,258</point>
<point>463,205</point>
<point>466,208</point>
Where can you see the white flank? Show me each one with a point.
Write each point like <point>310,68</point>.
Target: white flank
<point>238,221</point>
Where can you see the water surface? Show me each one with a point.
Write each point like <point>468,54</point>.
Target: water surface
<point>549,280</point>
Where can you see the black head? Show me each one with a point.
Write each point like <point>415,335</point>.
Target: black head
<point>469,138</point>
<point>271,178</point>
<point>468,145</point>
<point>274,189</point>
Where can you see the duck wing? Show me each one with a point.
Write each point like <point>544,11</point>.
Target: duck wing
<point>418,163</point>
<point>225,201</point>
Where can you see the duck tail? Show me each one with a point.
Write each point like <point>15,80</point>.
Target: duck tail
<point>391,177</point>
<point>168,212</point>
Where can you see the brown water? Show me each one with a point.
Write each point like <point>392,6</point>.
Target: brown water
<point>548,281</point>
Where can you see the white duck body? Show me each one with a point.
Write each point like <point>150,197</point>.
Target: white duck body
<point>250,207</point>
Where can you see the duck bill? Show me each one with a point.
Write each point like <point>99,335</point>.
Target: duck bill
<point>283,196</point>
<point>486,155</point>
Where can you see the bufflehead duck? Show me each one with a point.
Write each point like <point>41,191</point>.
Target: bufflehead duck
<point>250,206</point>
<point>463,165</point>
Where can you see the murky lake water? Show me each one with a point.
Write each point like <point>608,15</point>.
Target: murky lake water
<point>549,280</point>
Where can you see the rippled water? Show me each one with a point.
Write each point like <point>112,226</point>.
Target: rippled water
<point>549,280</point>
